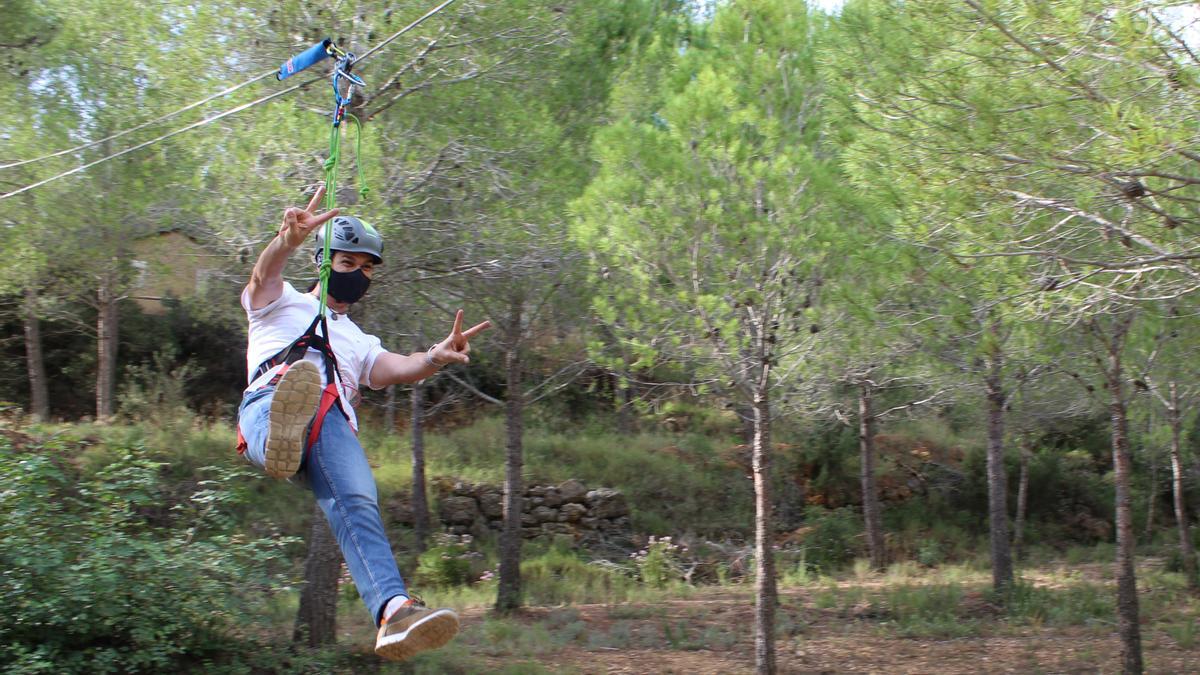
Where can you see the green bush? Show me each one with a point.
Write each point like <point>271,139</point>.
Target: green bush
<point>833,540</point>
<point>928,611</point>
<point>104,573</point>
<point>560,576</point>
<point>1081,604</point>
<point>447,562</point>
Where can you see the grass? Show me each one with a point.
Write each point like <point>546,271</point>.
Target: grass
<point>1184,634</point>
<point>675,478</point>
<point>928,611</point>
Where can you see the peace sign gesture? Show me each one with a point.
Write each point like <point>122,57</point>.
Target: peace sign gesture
<point>299,223</point>
<point>456,346</point>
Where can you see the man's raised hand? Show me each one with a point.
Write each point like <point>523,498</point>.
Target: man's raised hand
<point>298,224</point>
<point>456,347</point>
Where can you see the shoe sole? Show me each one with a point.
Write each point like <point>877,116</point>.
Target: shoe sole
<point>292,408</point>
<point>429,633</point>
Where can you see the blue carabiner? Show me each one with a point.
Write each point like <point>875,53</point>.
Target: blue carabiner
<point>342,70</point>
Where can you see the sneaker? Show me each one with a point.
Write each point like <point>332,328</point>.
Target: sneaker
<point>295,403</point>
<point>415,628</point>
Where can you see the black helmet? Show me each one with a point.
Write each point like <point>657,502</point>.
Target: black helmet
<point>351,235</point>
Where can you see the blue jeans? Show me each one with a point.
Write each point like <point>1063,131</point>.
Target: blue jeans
<point>335,469</point>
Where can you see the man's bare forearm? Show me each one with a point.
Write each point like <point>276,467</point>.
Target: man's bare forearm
<point>393,368</point>
<point>266,280</point>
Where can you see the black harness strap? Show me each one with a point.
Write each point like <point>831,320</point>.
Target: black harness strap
<point>292,353</point>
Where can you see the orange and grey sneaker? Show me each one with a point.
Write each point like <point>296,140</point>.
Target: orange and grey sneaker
<point>415,628</point>
<point>295,403</point>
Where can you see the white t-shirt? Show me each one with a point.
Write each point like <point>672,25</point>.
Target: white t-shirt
<point>279,324</point>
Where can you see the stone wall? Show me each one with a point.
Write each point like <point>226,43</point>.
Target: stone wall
<point>569,509</point>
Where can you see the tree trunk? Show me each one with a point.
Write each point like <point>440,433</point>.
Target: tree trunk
<point>764,555</point>
<point>1127,600</point>
<point>1151,497</point>
<point>39,395</point>
<point>1187,554</point>
<point>624,394</point>
<point>872,512</point>
<point>1022,501</point>
<point>389,408</point>
<point>106,347</point>
<point>508,595</point>
<point>316,620</point>
<point>1002,572</point>
<point>420,502</point>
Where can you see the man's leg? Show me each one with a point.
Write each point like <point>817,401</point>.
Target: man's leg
<point>337,471</point>
<point>254,421</point>
<point>274,419</point>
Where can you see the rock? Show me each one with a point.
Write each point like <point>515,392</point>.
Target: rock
<point>534,502</point>
<point>536,491</point>
<point>552,498</point>
<point>527,520</point>
<point>400,510</point>
<point>458,529</point>
<point>459,510</point>
<point>463,489</point>
<point>530,532</point>
<point>572,513</point>
<point>572,491</point>
<point>607,503</point>
<point>588,522</point>
<point>491,504</point>
<point>545,514</point>
<point>557,528</point>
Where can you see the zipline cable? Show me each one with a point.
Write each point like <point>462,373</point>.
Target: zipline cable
<point>164,137</point>
<point>218,116</point>
<point>404,30</point>
<point>141,126</point>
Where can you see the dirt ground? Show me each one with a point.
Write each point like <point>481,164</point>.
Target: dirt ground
<point>826,641</point>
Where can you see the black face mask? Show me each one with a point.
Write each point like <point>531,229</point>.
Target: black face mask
<point>348,287</point>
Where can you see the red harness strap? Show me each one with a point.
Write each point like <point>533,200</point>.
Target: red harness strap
<point>328,398</point>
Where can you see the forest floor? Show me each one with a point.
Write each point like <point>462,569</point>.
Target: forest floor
<point>911,621</point>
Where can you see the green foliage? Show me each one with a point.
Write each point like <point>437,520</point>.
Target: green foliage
<point>105,573</point>
<point>447,563</point>
<point>833,540</point>
<point>671,478</point>
<point>156,390</point>
<point>928,611</point>
<point>562,576</point>
<point>1184,633</point>
<point>1072,605</point>
<point>658,563</point>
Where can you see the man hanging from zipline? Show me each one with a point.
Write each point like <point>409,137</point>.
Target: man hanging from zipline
<point>297,421</point>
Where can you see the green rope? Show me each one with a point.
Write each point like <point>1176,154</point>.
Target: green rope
<point>331,167</point>
<point>331,164</point>
<point>358,164</point>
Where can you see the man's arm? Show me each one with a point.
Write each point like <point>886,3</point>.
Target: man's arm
<point>266,280</point>
<point>392,368</point>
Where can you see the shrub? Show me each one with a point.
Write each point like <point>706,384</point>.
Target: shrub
<point>1073,605</point>
<point>658,563</point>
<point>448,562</point>
<point>561,576</point>
<point>832,541</point>
<point>928,611</point>
<point>104,574</point>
